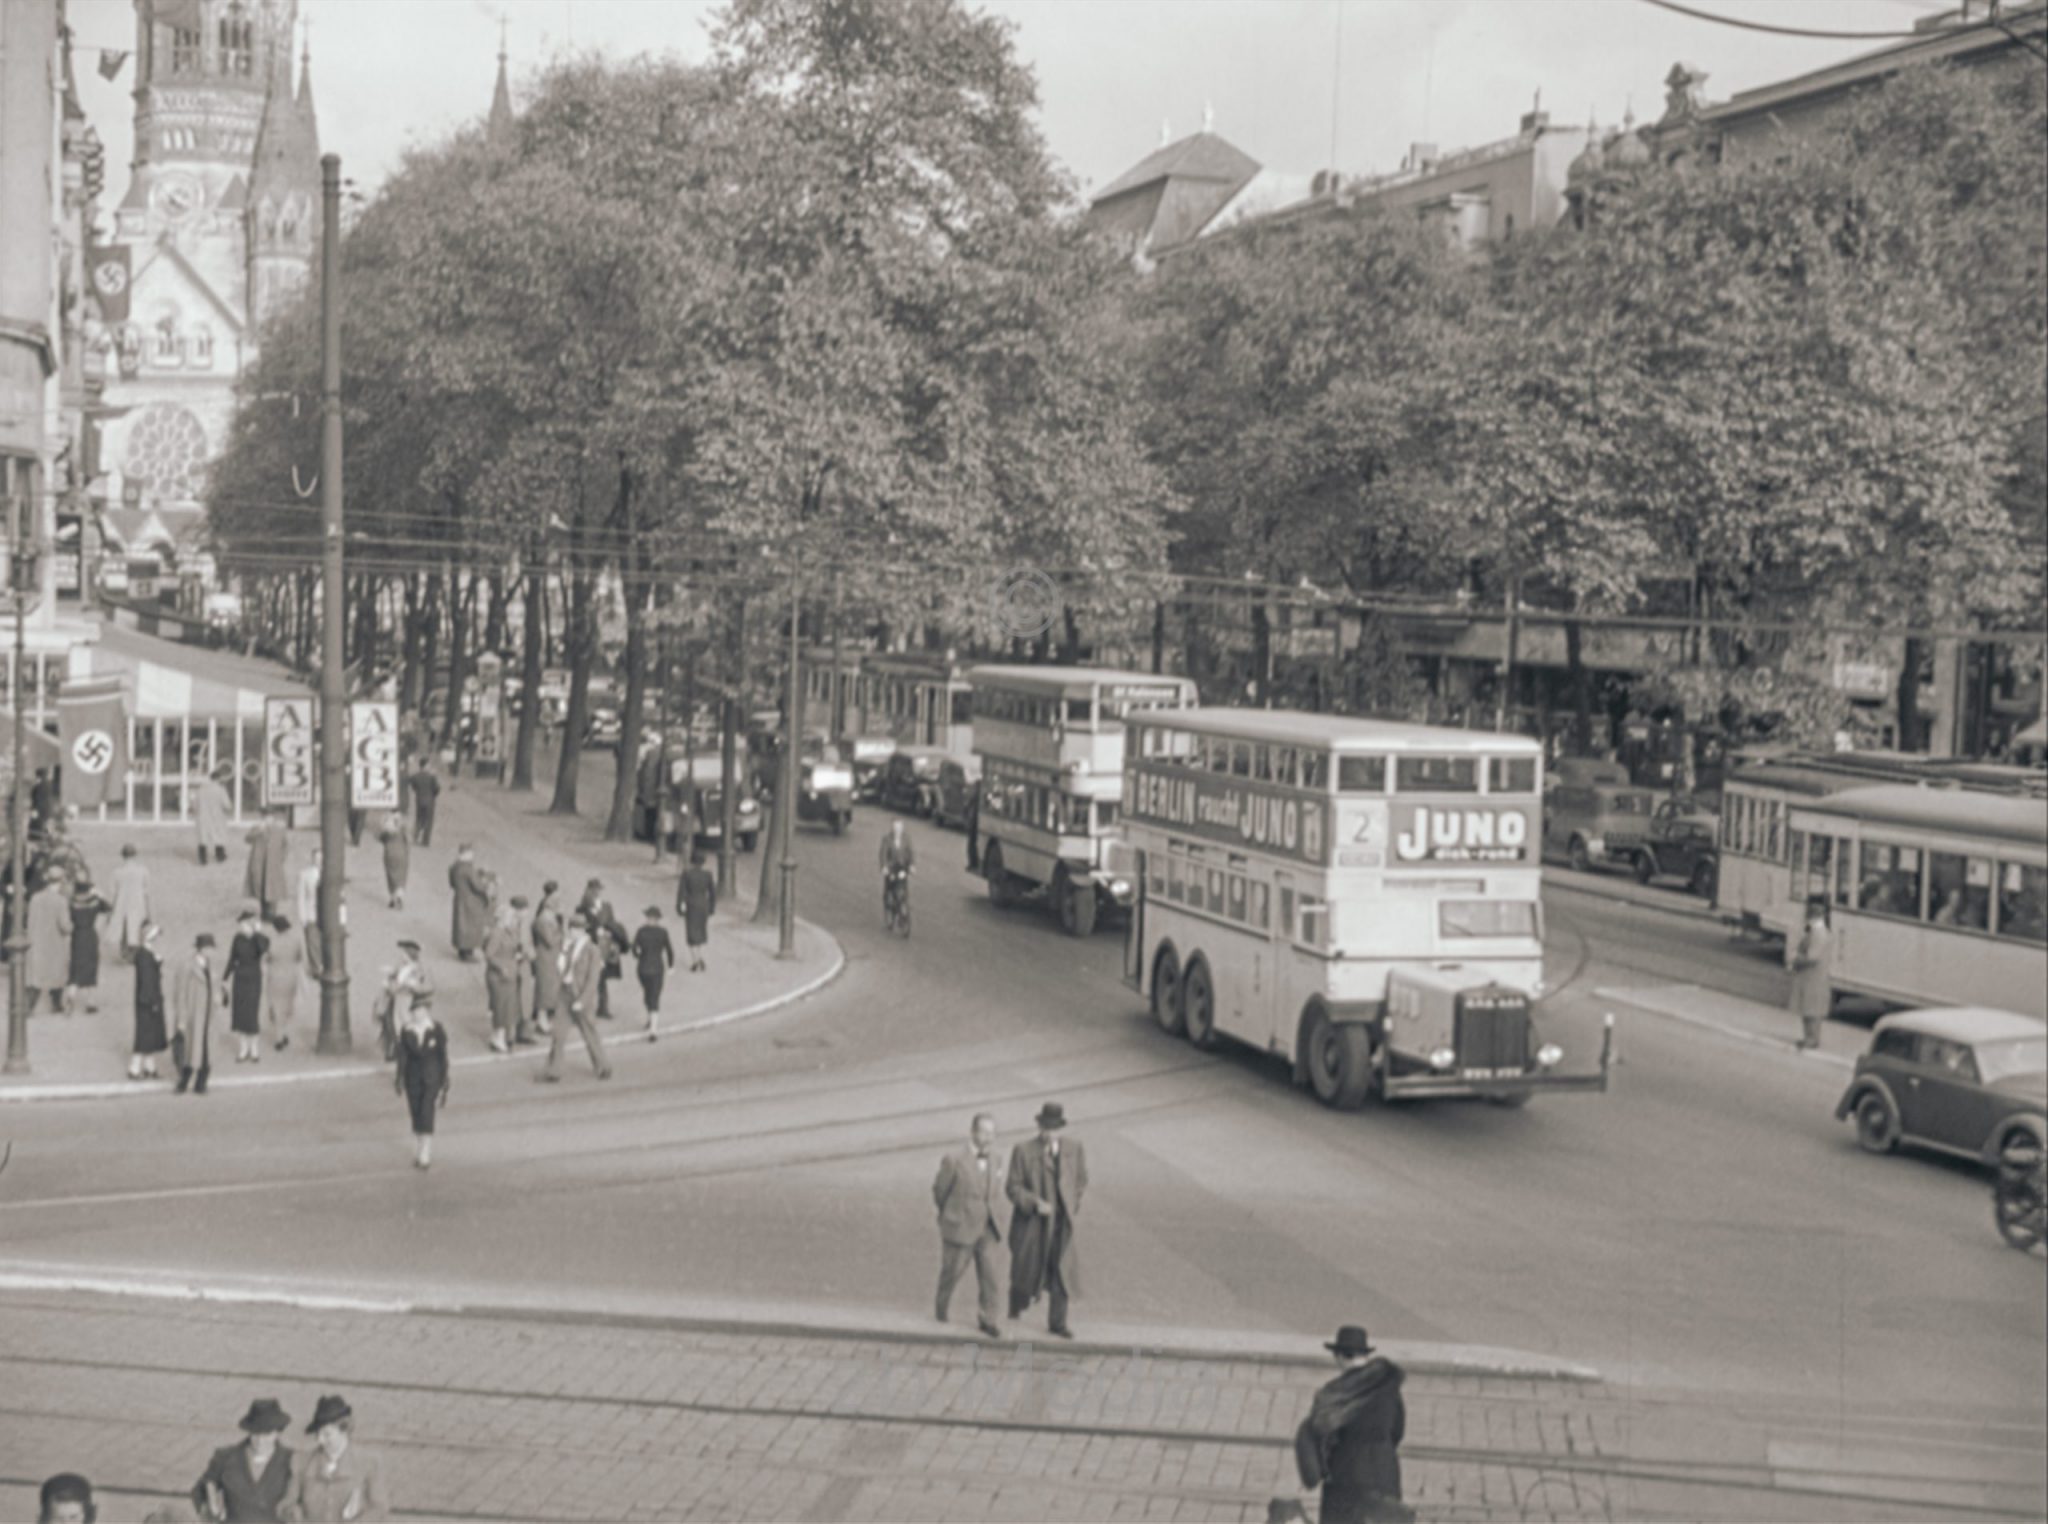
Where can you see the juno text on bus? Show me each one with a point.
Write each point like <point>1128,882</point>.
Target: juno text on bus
<point>1359,897</point>
<point>1051,740</point>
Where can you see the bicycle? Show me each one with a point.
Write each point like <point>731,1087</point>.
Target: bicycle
<point>896,901</point>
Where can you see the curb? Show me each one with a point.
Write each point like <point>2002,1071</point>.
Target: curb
<point>1424,1359</point>
<point>133,1090</point>
<point>1686,907</point>
<point>1760,1039</point>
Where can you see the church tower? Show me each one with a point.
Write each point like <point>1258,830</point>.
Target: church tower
<point>219,221</point>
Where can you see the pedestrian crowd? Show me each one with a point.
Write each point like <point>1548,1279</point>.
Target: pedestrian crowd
<point>259,1479</point>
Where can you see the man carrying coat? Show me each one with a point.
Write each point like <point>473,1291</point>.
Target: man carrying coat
<point>1349,1445</point>
<point>1047,1178</point>
<point>967,1195</point>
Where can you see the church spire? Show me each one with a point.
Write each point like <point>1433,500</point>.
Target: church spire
<point>309,121</point>
<point>498,126</point>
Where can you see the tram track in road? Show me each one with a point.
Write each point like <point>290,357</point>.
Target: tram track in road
<point>536,1421</point>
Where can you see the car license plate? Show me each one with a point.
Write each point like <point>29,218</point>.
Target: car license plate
<point>1491,1074</point>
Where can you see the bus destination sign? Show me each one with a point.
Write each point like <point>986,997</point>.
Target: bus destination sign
<point>1231,811</point>
<point>1430,834</point>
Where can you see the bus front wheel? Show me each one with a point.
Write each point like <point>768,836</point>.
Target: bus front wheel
<point>1166,993</point>
<point>1198,1005</point>
<point>1076,906</point>
<point>1001,892</point>
<point>1339,1063</point>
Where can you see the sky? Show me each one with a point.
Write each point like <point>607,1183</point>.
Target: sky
<point>1287,81</point>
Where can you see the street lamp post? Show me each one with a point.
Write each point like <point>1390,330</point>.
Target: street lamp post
<point>334,1032</point>
<point>17,938</point>
<point>792,739</point>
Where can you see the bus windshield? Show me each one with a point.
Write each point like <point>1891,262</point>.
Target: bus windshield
<point>1487,918</point>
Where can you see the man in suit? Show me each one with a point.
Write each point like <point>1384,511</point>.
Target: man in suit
<point>1349,1445</point>
<point>1047,1178</point>
<point>426,797</point>
<point>582,971</point>
<point>967,1196</point>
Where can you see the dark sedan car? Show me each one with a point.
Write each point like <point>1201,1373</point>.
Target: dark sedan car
<point>1962,1080</point>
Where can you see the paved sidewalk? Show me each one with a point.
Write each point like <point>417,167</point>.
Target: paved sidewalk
<point>510,1418</point>
<point>84,1055</point>
<point>1749,1021</point>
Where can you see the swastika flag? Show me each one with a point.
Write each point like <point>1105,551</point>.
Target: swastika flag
<point>92,727</point>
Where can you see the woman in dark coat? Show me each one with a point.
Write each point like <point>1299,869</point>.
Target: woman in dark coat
<point>250,1480</point>
<point>87,906</point>
<point>422,1076</point>
<point>696,899</point>
<point>245,987</point>
<point>653,955</point>
<point>150,1036</point>
<point>1350,1443</point>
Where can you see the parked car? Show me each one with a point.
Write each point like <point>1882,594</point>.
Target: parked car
<point>707,807</point>
<point>959,778</point>
<point>603,729</point>
<point>826,793</point>
<point>1960,1079</point>
<point>1597,821</point>
<point>1681,841</point>
<point>869,755</point>
<point>911,780</point>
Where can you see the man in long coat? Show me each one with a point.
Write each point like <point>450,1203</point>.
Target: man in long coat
<point>193,1010</point>
<point>49,941</point>
<point>501,978</point>
<point>1048,1176</point>
<point>1349,1445</point>
<point>268,879</point>
<point>547,958</point>
<point>967,1196</point>
<point>131,902</point>
<point>582,976</point>
<point>472,907</point>
<point>210,810</point>
<point>426,797</point>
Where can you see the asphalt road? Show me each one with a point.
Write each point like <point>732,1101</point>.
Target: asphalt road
<point>1706,1224</point>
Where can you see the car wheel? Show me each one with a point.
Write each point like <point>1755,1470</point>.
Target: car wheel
<point>1578,857</point>
<point>1198,1005</point>
<point>2018,1198</point>
<point>1645,866</point>
<point>1339,1062</point>
<point>1877,1123</point>
<point>1166,993</point>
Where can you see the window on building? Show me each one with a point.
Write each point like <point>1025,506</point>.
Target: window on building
<point>1890,884</point>
<point>1959,891</point>
<point>237,45</point>
<point>185,50</point>
<point>199,347</point>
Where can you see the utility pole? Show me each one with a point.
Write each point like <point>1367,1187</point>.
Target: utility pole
<point>334,1033</point>
<point>17,939</point>
<point>1503,712</point>
<point>792,744</point>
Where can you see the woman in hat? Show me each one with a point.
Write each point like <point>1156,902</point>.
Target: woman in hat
<point>422,1076</point>
<point>251,1480</point>
<point>244,978</point>
<point>150,1038</point>
<point>653,955</point>
<point>49,940</point>
<point>87,906</point>
<point>192,1046</point>
<point>1809,956</point>
<point>338,1482</point>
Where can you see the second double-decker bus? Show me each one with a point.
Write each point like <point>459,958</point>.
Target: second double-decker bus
<point>1051,743</point>
<point>1360,897</point>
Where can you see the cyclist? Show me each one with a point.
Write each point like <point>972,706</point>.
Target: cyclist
<point>898,860</point>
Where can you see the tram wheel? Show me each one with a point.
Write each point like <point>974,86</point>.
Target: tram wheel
<point>1339,1062</point>
<point>1166,993</point>
<point>1198,1005</point>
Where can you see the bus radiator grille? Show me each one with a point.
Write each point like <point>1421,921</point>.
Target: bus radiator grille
<point>1493,1039</point>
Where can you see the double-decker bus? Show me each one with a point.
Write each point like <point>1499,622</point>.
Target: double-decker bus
<point>1937,896</point>
<point>1051,743</point>
<point>1360,897</point>
<point>1752,886</point>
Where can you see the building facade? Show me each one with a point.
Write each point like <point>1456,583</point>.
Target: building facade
<point>218,228</point>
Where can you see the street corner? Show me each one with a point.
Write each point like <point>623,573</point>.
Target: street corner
<point>1749,1022</point>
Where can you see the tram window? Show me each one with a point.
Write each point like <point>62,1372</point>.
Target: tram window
<point>1219,755</point>
<point>1216,877</point>
<point>1959,891</point>
<point>1284,771</point>
<point>1436,775</point>
<point>2023,902</point>
<point>1315,771</point>
<point>1155,873</point>
<point>1774,820</point>
<point>962,708</point>
<point>1820,866</point>
<point>1486,918</point>
<point>1511,775</point>
<point>1844,880</point>
<point>1173,873</point>
<point>1262,904</point>
<point>1241,760</point>
<point>1237,897</point>
<point>1287,909</point>
<point>1890,884</point>
<point>1315,922</point>
<point>1361,775</point>
<point>1080,711</point>
<point>1262,764</point>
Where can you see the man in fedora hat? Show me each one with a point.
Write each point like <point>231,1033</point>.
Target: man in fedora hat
<point>1047,1178</point>
<point>250,1480</point>
<point>582,978</point>
<point>967,1195</point>
<point>1349,1445</point>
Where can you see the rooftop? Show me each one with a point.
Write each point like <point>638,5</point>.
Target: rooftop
<point>1341,731</point>
<point>1965,1023</point>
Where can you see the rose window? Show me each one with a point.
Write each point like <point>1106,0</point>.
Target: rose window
<point>166,452</point>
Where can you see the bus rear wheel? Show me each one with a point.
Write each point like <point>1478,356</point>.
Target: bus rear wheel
<point>1166,993</point>
<point>1339,1062</point>
<point>1198,1005</point>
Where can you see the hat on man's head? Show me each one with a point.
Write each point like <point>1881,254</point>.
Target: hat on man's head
<point>579,922</point>
<point>249,908</point>
<point>1052,1116</point>
<point>549,887</point>
<point>1349,1343</point>
<point>518,902</point>
<point>204,939</point>
<point>596,883</point>
<point>266,1417</point>
<point>406,944</point>
<point>332,1408</point>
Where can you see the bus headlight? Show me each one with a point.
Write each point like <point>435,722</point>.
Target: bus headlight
<point>1443,1058</point>
<point>1550,1055</point>
<point>1119,887</point>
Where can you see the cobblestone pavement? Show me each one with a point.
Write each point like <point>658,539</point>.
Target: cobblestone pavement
<point>498,1417</point>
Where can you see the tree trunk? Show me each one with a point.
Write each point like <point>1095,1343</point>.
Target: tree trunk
<point>1158,637</point>
<point>1262,654</point>
<point>430,648</point>
<point>581,646</point>
<point>1910,729</point>
<point>464,602</point>
<point>409,651</point>
<point>529,677</point>
<point>494,618</point>
<point>728,746</point>
<point>1582,688</point>
<point>636,590</point>
<point>366,634</point>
